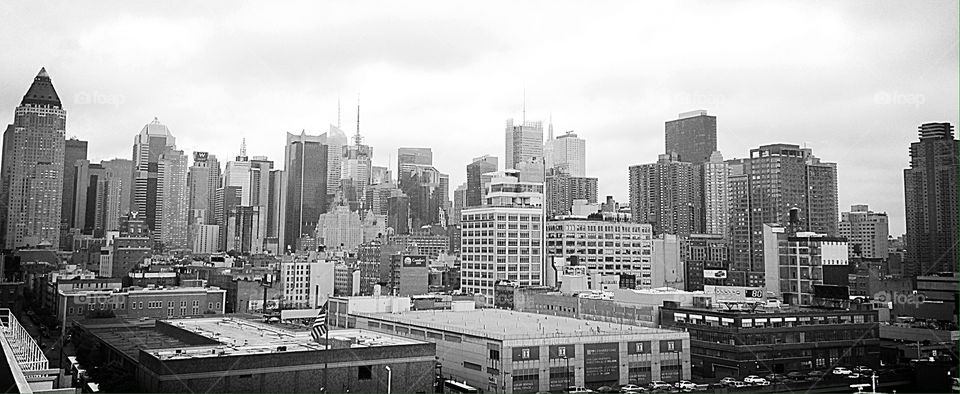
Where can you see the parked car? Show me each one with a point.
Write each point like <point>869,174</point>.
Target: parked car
<point>739,385</point>
<point>863,370</point>
<point>606,389</point>
<point>754,379</point>
<point>855,375</point>
<point>817,374</point>
<point>727,381</point>
<point>632,388</point>
<point>842,371</point>
<point>660,385</point>
<point>796,375</point>
<point>685,385</point>
<point>776,377</point>
<point>578,390</point>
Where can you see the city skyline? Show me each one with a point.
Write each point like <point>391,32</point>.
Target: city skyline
<point>876,99</point>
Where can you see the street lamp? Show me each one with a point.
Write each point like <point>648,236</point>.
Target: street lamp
<point>389,377</point>
<point>566,372</point>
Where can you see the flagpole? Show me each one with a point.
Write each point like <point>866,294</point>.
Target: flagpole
<point>326,340</point>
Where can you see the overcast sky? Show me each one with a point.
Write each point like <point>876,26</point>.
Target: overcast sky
<point>850,79</point>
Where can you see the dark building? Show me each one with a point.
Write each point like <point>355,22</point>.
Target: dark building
<point>398,216</point>
<point>409,274</point>
<point>475,170</point>
<point>930,191</point>
<point>31,171</point>
<point>692,136</point>
<point>73,150</point>
<point>667,194</point>
<point>763,190</point>
<point>306,186</point>
<point>739,343</point>
<point>706,259</point>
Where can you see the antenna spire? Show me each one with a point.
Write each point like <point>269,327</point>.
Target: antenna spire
<point>358,138</point>
<point>338,112</point>
<point>243,150</point>
<point>524,103</point>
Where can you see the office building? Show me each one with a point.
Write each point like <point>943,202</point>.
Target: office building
<point>307,280</point>
<point>705,259</point>
<point>119,175</point>
<point>763,189</point>
<point>203,180</point>
<point>31,176</point>
<point>89,191</point>
<point>356,167</point>
<point>930,191</point>
<point>741,342</point>
<point>569,154</point>
<point>459,201</point>
<point>692,136</point>
<point>501,240</point>
<point>305,195</point>
<point>797,262</point>
<point>336,140</point>
<point>497,350</point>
<point>73,150</point>
<point>409,275</point>
<point>524,143</point>
<point>605,247</point>
<point>667,195</point>
<point>205,238</point>
<point>427,190</point>
<point>866,232</point>
<point>340,228</point>
<point>154,139</point>
<point>476,188</point>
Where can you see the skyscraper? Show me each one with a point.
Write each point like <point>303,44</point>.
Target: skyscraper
<point>356,168</point>
<point>475,170</point>
<point>89,197</point>
<point>930,191</point>
<point>203,179</point>
<point>154,139</point>
<point>305,197</point>
<point>763,188</point>
<point>409,157</point>
<point>560,189</point>
<point>31,176</point>
<point>173,200</point>
<point>73,150</point>
<point>119,173</point>
<point>524,149</point>
<point>569,153</point>
<point>335,139</point>
<point>713,176</point>
<point>692,136</point>
<point>666,194</point>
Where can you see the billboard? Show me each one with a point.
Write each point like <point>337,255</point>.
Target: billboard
<point>714,274</point>
<point>734,293</point>
<point>831,292</point>
<point>601,362</point>
<point>414,261</point>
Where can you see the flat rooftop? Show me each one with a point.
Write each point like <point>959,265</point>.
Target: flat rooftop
<point>505,324</point>
<point>131,339</point>
<point>238,336</point>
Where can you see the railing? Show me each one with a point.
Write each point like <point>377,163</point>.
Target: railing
<point>29,366</point>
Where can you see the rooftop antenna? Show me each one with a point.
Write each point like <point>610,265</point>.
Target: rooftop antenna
<point>357,138</point>
<point>524,104</point>
<point>338,112</point>
<point>243,150</point>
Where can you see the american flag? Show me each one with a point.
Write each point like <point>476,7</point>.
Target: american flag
<point>319,327</point>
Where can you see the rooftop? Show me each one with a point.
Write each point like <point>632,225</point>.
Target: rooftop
<point>504,324</point>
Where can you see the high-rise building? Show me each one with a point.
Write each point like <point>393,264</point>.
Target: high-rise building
<point>561,189</point>
<point>569,153</point>
<point>154,139</point>
<point>174,202</point>
<point>491,250</point>
<point>426,188</point>
<point>716,204</point>
<point>119,173</point>
<point>666,194</point>
<point>335,139</point>
<point>409,157</point>
<point>340,229</point>
<point>73,150</point>
<point>692,136</point>
<point>866,232</point>
<point>203,180</point>
<point>475,187</point>
<point>930,191</point>
<point>31,176</point>
<point>89,197</point>
<point>305,195</point>
<point>459,202</point>
<point>524,150</point>
<point>763,189</point>
<point>356,167</point>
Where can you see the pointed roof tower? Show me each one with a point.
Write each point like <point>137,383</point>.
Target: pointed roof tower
<point>41,92</point>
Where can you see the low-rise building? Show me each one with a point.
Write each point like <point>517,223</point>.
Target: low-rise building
<point>134,302</point>
<point>508,351</point>
<point>233,354</point>
<point>728,342</point>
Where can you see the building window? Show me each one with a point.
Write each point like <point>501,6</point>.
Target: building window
<point>364,372</point>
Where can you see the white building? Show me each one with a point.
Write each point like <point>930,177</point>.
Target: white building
<point>205,238</point>
<point>716,206</point>
<point>340,228</point>
<point>865,230</point>
<point>603,247</point>
<point>569,152</point>
<point>174,199</point>
<point>307,280</point>
<point>501,240</point>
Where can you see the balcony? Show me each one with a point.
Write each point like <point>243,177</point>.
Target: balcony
<point>29,369</point>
